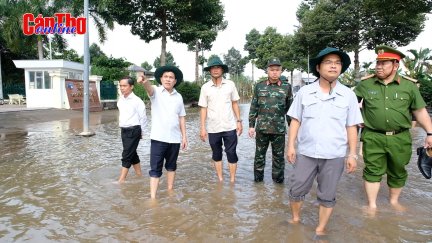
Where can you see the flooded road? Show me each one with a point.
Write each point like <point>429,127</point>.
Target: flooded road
<point>58,187</point>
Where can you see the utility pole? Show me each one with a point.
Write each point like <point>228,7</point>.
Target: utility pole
<point>86,132</point>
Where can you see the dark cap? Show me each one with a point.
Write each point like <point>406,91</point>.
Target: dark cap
<point>216,61</point>
<point>388,53</point>
<point>274,62</point>
<point>346,61</point>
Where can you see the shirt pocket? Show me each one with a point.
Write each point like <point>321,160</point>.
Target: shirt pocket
<point>339,111</point>
<point>372,101</point>
<point>401,101</point>
<point>262,97</point>
<point>310,108</point>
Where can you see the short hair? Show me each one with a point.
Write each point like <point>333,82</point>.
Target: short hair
<point>129,80</point>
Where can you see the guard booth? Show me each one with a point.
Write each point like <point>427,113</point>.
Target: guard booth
<point>58,84</point>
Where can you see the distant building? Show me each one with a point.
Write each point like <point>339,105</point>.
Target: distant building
<point>136,71</point>
<point>57,84</point>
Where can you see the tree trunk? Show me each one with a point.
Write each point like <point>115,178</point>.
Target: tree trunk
<point>292,79</point>
<point>40,48</point>
<point>1,80</point>
<point>356,66</point>
<point>253,62</point>
<point>164,41</point>
<point>196,60</point>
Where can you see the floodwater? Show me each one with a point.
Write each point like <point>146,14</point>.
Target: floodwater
<point>58,187</point>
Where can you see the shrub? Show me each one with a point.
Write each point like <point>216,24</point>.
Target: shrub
<point>426,89</point>
<point>189,91</point>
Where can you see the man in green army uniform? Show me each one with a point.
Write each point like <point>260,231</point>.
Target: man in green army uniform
<point>270,103</point>
<point>389,99</point>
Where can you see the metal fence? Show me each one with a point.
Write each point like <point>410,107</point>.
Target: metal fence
<point>13,89</point>
<point>108,90</point>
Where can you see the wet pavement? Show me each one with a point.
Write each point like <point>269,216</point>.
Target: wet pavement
<point>58,187</point>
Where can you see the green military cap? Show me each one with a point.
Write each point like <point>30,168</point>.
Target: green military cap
<point>388,53</point>
<point>274,62</point>
<point>283,78</point>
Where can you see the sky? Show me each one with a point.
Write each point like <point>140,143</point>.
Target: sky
<point>242,17</point>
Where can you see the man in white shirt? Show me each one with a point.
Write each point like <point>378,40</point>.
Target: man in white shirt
<point>168,131</point>
<point>132,120</point>
<point>219,107</point>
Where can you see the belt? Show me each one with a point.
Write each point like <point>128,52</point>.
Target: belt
<point>388,133</point>
<point>130,128</point>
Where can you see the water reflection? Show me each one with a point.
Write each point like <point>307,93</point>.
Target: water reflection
<point>57,186</point>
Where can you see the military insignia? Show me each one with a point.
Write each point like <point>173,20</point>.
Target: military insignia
<point>381,51</point>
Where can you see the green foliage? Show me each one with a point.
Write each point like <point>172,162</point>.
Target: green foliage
<point>244,85</point>
<point>147,66</point>
<point>95,52</point>
<point>70,55</point>
<point>168,62</point>
<point>110,68</point>
<point>189,91</point>
<point>426,88</point>
<point>181,21</point>
<point>418,67</point>
<point>252,42</point>
<point>356,24</point>
<point>235,62</point>
<point>140,92</point>
<point>348,78</point>
<point>262,47</point>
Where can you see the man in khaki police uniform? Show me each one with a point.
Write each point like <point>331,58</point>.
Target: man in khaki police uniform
<point>388,101</point>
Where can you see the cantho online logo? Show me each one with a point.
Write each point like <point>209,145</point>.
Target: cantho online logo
<point>61,23</point>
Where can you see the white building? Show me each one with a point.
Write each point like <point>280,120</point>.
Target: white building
<point>50,83</point>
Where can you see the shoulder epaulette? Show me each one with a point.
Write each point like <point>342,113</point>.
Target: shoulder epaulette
<point>410,79</point>
<point>367,77</point>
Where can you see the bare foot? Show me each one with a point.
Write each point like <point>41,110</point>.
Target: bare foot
<point>369,211</point>
<point>398,207</point>
<point>320,236</point>
<point>294,221</point>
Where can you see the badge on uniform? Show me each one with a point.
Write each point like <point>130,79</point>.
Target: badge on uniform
<point>424,161</point>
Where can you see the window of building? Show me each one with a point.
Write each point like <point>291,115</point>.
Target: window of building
<point>39,80</point>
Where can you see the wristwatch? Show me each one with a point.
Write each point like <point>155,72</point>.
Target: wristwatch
<point>239,120</point>
<point>429,134</point>
<point>355,156</point>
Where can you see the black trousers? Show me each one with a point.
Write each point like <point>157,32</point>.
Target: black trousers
<point>130,139</point>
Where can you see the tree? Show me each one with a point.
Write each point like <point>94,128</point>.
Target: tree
<point>418,67</point>
<point>359,24</point>
<point>252,41</point>
<point>95,52</point>
<point>182,21</point>
<point>235,62</point>
<point>272,44</point>
<point>147,66</point>
<point>169,61</point>
<point>110,68</point>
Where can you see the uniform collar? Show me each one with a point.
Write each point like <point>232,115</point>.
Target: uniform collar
<point>396,79</point>
<point>279,83</point>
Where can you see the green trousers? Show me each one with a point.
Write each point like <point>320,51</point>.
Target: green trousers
<point>278,166</point>
<point>386,155</point>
